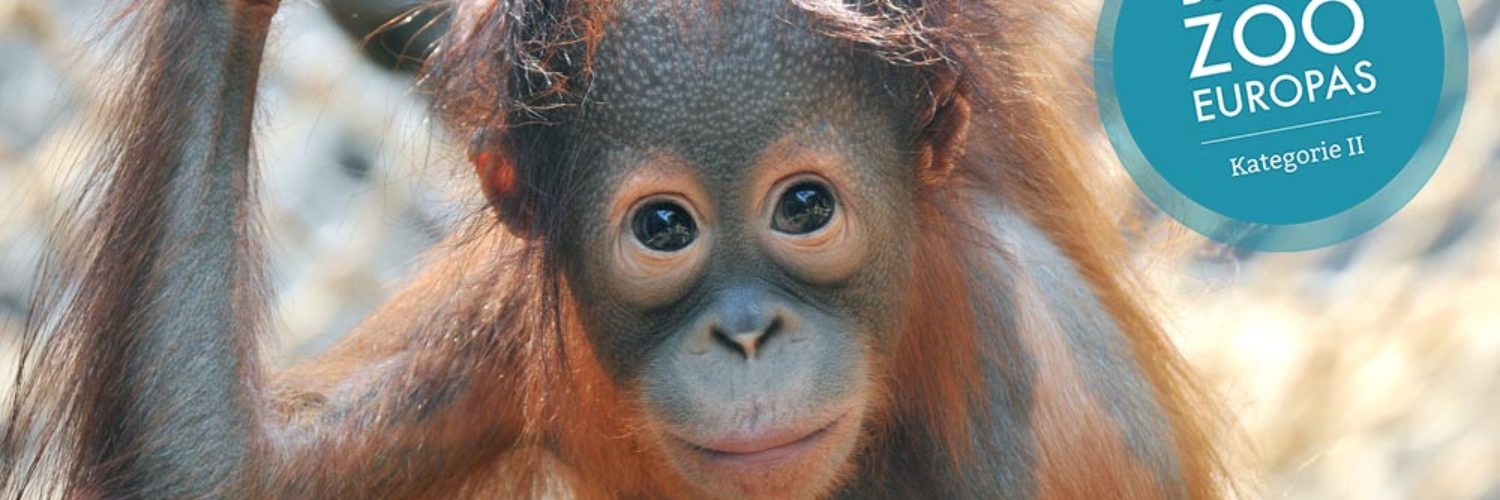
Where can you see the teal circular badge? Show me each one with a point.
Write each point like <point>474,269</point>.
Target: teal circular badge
<point>1281,125</point>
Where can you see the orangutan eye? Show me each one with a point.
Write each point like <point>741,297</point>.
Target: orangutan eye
<point>805,207</point>
<point>664,226</point>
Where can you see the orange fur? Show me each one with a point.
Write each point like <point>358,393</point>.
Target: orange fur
<point>1007,118</point>
<point>476,381</point>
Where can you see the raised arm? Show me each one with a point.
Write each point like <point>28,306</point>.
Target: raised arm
<point>146,334</point>
<point>141,376</point>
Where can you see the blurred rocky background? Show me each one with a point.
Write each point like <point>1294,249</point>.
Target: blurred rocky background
<point>1367,370</point>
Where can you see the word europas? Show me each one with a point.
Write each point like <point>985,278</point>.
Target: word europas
<point>1287,90</point>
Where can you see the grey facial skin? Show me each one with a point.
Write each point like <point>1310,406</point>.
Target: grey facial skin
<point>756,339</point>
<point>716,95</point>
<point>714,91</point>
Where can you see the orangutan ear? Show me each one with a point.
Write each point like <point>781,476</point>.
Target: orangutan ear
<point>499,179</point>
<point>944,138</point>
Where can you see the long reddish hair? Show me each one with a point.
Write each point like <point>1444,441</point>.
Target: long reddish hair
<point>1007,116</point>
<point>1004,88</point>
